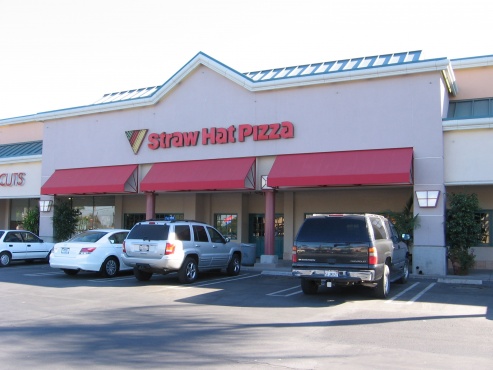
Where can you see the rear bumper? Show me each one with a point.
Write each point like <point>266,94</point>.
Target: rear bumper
<point>80,263</point>
<point>164,264</point>
<point>336,275</point>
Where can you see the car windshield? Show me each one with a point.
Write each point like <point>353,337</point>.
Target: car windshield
<point>149,232</point>
<point>334,230</point>
<point>88,237</point>
<point>1,233</point>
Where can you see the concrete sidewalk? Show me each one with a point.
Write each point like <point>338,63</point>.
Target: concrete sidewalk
<point>475,277</point>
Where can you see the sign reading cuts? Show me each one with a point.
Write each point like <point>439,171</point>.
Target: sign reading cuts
<point>12,179</point>
<point>219,135</point>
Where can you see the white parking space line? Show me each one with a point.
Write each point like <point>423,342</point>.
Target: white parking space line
<point>45,273</point>
<point>401,293</point>
<point>417,296</point>
<point>278,293</point>
<point>217,281</point>
<point>107,280</point>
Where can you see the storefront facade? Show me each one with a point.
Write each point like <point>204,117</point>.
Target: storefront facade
<point>256,153</point>
<point>20,171</point>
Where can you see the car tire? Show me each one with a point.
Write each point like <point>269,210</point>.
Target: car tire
<point>70,272</point>
<point>188,271</point>
<point>5,259</point>
<point>309,287</point>
<point>47,258</point>
<point>234,266</point>
<point>405,276</point>
<point>110,267</point>
<point>382,289</point>
<point>141,275</point>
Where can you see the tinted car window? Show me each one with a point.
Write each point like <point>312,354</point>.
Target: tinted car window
<point>13,238</point>
<point>215,236</point>
<point>1,233</point>
<point>378,229</point>
<point>149,232</point>
<point>182,232</point>
<point>30,238</point>
<point>333,230</point>
<point>88,237</point>
<point>117,238</point>
<point>199,234</point>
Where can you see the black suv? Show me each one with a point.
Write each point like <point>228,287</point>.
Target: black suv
<point>350,249</point>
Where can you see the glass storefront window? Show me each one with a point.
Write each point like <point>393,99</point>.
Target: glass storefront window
<point>130,219</point>
<point>18,208</point>
<point>227,224</point>
<point>96,212</point>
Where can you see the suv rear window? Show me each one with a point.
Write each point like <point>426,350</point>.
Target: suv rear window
<point>333,230</point>
<point>149,232</point>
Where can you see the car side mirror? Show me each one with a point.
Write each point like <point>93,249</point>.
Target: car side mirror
<point>406,237</point>
<point>228,239</point>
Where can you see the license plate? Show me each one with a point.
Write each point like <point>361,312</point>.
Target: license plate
<point>65,251</point>
<point>144,248</point>
<point>331,273</point>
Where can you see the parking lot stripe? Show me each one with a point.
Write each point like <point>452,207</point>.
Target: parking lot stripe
<point>285,290</point>
<point>401,293</point>
<point>45,273</point>
<point>416,297</point>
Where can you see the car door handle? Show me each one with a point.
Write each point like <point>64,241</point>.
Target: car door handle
<point>214,246</point>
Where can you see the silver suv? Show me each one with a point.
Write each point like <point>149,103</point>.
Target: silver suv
<point>186,247</point>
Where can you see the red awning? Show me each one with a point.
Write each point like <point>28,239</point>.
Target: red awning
<point>362,167</point>
<point>93,180</point>
<point>215,174</point>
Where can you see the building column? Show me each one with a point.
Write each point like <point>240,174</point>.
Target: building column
<point>150,206</point>
<point>270,206</point>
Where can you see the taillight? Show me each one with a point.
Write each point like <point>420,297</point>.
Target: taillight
<point>294,257</point>
<point>170,248</point>
<point>372,256</point>
<point>123,246</point>
<point>87,250</point>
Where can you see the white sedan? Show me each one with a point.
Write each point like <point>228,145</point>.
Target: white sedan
<point>92,250</point>
<point>22,245</point>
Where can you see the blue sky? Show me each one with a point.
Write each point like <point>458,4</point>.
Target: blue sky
<point>58,54</point>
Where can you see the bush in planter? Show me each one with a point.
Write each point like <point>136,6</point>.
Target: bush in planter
<point>463,231</point>
<point>65,219</point>
<point>30,220</point>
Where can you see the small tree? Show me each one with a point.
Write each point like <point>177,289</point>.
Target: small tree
<point>463,231</point>
<point>405,222</point>
<point>30,220</point>
<point>65,220</point>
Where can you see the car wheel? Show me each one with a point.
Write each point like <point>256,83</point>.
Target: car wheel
<point>309,287</point>
<point>141,275</point>
<point>110,267</point>
<point>383,285</point>
<point>70,272</point>
<point>188,271</point>
<point>405,272</point>
<point>234,265</point>
<point>5,259</point>
<point>47,258</point>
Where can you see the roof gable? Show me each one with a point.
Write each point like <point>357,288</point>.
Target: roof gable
<point>319,73</point>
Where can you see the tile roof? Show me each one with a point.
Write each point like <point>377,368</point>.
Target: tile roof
<point>21,149</point>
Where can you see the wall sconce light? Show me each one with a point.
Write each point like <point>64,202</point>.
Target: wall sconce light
<point>45,205</point>
<point>428,198</point>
